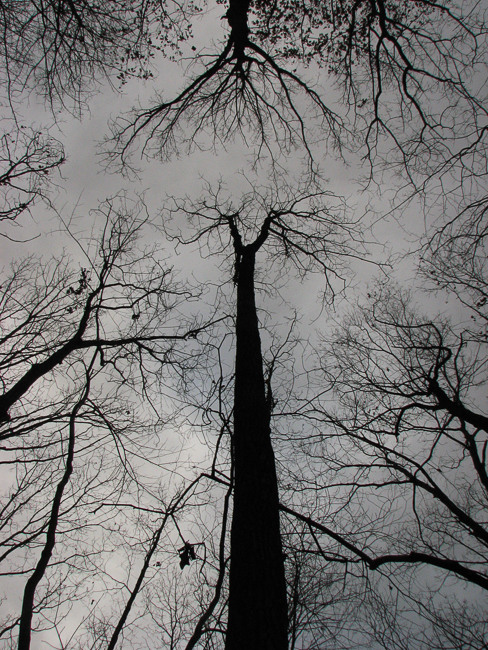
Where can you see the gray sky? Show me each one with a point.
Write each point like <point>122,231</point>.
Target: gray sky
<point>84,183</point>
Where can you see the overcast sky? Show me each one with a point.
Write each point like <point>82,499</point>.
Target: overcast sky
<point>84,179</point>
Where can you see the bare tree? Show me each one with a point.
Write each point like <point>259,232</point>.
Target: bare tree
<point>324,598</point>
<point>402,450</point>
<point>298,230</point>
<point>408,72</point>
<point>81,352</point>
<point>391,59</point>
<point>453,260</point>
<point>62,48</point>
<point>408,75</point>
<point>243,90</point>
<point>27,160</point>
<point>60,314</point>
<point>25,622</point>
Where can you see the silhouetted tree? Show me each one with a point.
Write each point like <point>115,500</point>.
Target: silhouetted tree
<point>27,160</point>
<point>409,74</point>
<point>399,441</point>
<point>80,351</point>
<point>296,229</point>
<point>63,48</point>
<point>407,71</point>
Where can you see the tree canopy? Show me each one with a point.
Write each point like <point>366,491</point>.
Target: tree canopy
<point>190,460</point>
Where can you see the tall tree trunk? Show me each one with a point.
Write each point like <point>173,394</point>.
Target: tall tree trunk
<point>25,622</point>
<point>257,600</point>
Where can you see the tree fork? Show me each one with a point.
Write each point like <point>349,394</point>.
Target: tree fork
<point>257,592</point>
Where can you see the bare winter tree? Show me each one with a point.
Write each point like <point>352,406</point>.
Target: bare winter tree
<point>296,229</point>
<point>62,51</point>
<point>409,72</point>
<point>453,260</point>
<point>63,48</point>
<point>27,159</point>
<point>412,75</point>
<point>81,351</point>
<point>244,90</point>
<point>75,305</point>
<point>408,75</point>
<point>402,449</point>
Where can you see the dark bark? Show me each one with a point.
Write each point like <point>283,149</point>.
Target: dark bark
<point>257,590</point>
<point>457,409</point>
<point>414,557</point>
<point>38,370</point>
<point>25,622</point>
<point>237,17</point>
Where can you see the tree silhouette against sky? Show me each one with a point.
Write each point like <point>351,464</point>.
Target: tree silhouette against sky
<point>410,76</point>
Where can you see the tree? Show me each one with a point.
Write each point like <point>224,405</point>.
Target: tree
<point>63,48</point>
<point>390,59</point>
<point>409,95</point>
<point>411,441</point>
<point>407,72</point>
<point>31,354</point>
<point>66,333</point>
<point>243,90</point>
<point>298,230</point>
<point>27,159</point>
<point>403,85</point>
<point>452,259</point>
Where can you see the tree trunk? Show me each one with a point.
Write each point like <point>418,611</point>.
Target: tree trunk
<point>257,599</point>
